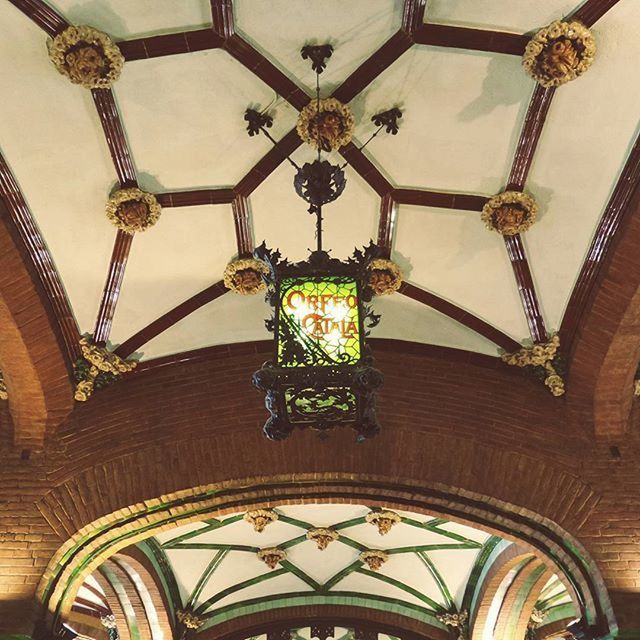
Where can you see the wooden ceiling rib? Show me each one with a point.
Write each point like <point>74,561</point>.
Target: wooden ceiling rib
<point>592,10</point>
<point>35,247</point>
<point>530,135</point>
<point>244,236</point>
<point>195,197</point>
<point>614,214</point>
<point>518,258</point>
<point>167,320</point>
<point>386,224</point>
<point>43,15</point>
<point>169,44</point>
<point>116,139</point>
<point>413,15</point>
<point>366,169</point>
<point>459,315</point>
<point>441,35</point>
<point>439,200</point>
<point>117,265</point>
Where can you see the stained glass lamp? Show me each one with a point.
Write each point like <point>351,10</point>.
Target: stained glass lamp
<point>322,375</point>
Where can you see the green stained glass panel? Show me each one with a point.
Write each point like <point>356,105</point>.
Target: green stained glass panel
<point>318,322</point>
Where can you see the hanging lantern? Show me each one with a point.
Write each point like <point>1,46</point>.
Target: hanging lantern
<point>323,373</point>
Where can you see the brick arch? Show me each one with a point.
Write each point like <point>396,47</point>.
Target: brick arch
<point>89,548</point>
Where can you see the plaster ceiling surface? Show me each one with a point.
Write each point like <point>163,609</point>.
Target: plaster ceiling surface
<point>182,116</point>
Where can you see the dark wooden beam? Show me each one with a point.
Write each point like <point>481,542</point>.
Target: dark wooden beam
<point>366,169</point>
<point>244,236</point>
<point>268,163</point>
<point>34,244</point>
<point>460,315</point>
<point>518,258</point>
<point>530,136</point>
<point>111,293</point>
<point>442,35</point>
<point>615,213</point>
<point>592,10</point>
<point>195,198</point>
<point>43,15</point>
<point>387,224</point>
<point>169,44</point>
<point>170,318</point>
<point>440,200</point>
<point>373,66</point>
<point>413,15</point>
<point>116,139</point>
<point>222,16</point>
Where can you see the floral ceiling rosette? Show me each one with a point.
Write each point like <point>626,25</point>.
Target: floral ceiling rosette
<point>86,56</point>
<point>385,277</point>
<point>510,212</point>
<point>326,124</point>
<point>133,210</point>
<point>559,53</point>
<point>244,276</point>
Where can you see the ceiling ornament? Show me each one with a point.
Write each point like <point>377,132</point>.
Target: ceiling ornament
<point>384,520</point>
<point>260,518</point>
<point>96,369</point>
<point>385,277</point>
<point>458,621</point>
<point>108,621</point>
<point>374,558</point>
<point>510,212</point>
<point>3,388</point>
<point>188,619</point>
<point>86,56</point>
<point>322,537</point>
<point>545,362</point>
<point>133,210</point>
<point>326,124</point>
<point>244,276</point>
<point>323,374</point>
<point>535,622</point>
<point>559,53</point>
<point>271,556</point>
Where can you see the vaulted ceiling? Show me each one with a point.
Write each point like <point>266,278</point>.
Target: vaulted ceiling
<point>473,123</point>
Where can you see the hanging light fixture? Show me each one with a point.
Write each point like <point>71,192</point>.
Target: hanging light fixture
<point>323,373</point>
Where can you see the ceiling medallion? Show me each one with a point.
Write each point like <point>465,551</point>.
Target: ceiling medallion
<point>96,369</point>
<point>384,520</point>
<point>544,360</point>
<point>322,375</point>
<point>133,210</point>
<point>86,56</point>
<point>510,212</point>
<point>260,518</point>
<point>245,276</point>
<point>374,558</point>
<point>271,556</point>
<point>559,53</point>
<point>322,537</point>
<point>189,619</point>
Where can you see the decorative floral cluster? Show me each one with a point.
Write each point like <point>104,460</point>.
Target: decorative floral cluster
<point>133,210</point>
<point>189,619</point>
<point>384,520</point>
<point>271,556</point>
<point>322,537</point>
<point>374,558</point>
<point>97,368</point>
<point>260,518</point>
<point>109,621</point>
<point>86,56</point>
<point>326,124</point>
<point>244,276</point>
<point>385,276</point>
<point>510,212</point>
<point>3,389</point>
<point>456,620</point>
<point>559,53</point>
<point>544,359</point>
